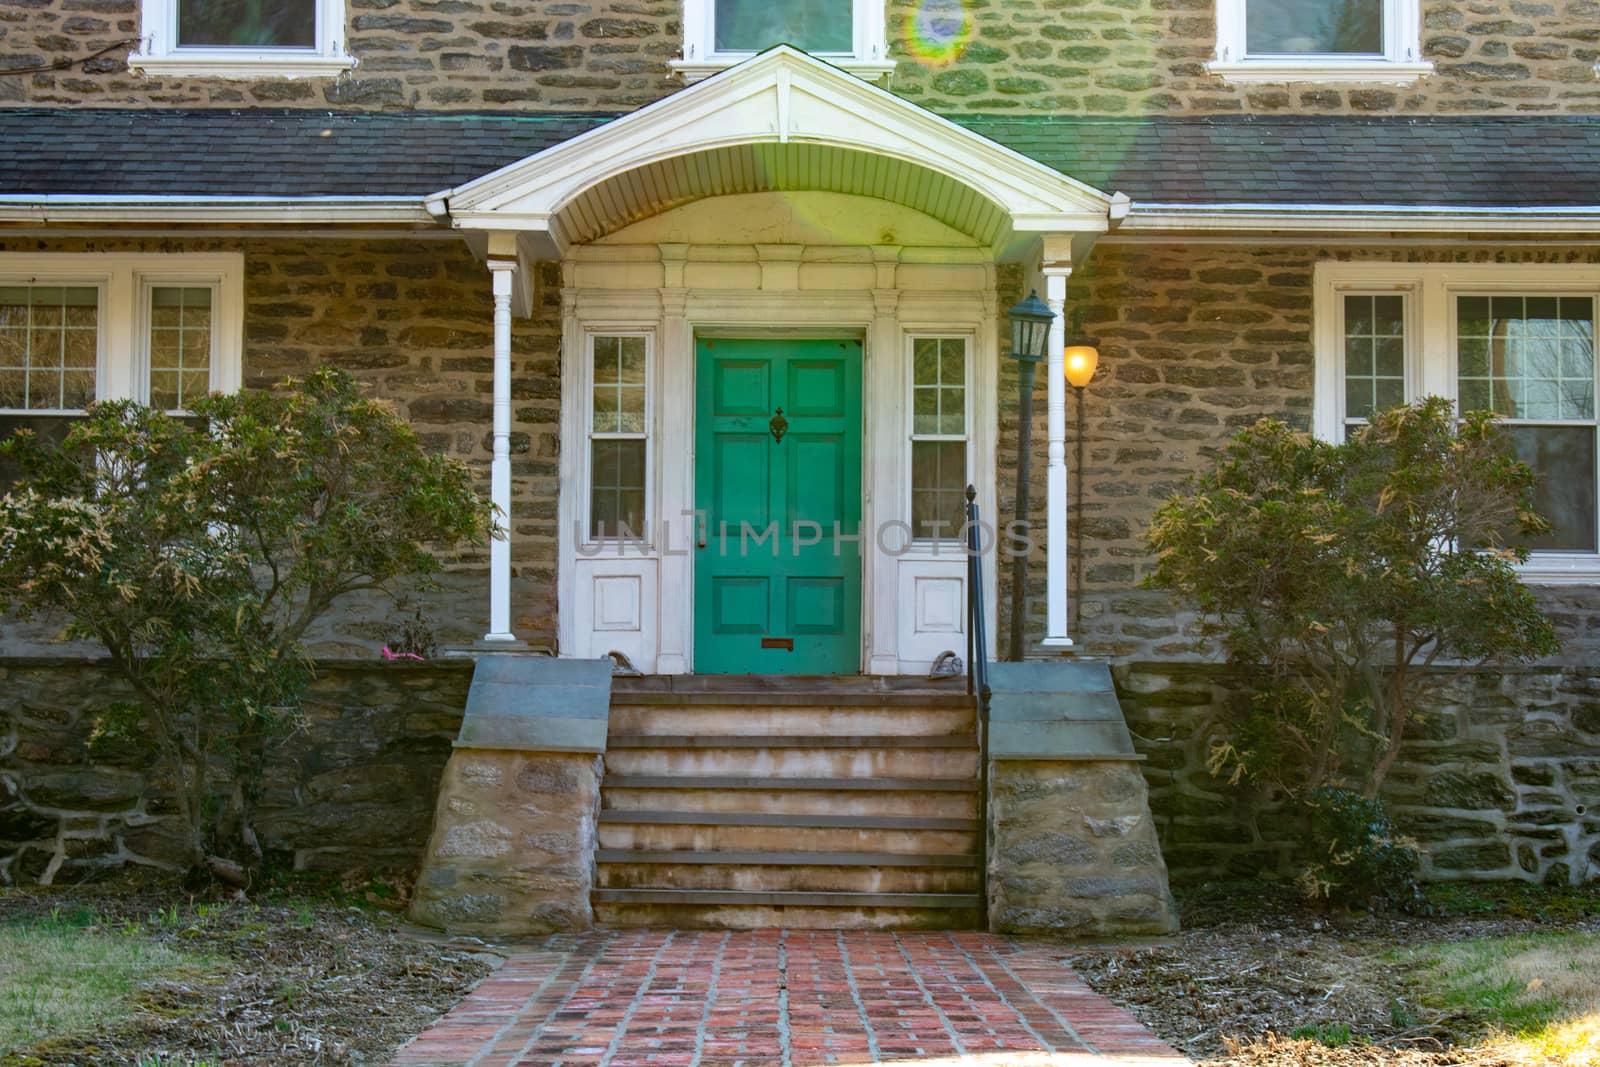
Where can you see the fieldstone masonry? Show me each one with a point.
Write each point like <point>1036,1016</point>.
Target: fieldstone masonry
<point>513,843</point>
<point>351,791</point>
<point>1501,781</point>
<point>1074,851</point>
<point>1042,57</point>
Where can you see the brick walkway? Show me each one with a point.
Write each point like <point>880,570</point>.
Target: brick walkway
<point>715,999</point>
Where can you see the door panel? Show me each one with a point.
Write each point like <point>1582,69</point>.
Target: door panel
<point>774,592</point>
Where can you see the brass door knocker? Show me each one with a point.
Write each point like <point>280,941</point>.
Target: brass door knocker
<point>779,426</point>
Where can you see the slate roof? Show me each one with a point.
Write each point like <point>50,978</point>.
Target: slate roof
<point>1494,162</point>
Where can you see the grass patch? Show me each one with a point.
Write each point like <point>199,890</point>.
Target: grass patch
<point>1538,994</point>
<point>73,973</point>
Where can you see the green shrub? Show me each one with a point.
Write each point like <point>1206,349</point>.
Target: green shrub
<point>1355,856</point>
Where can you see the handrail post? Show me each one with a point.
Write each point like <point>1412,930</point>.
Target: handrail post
<point>978,686</point>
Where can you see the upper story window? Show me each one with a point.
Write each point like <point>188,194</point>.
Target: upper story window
<point>1516,340</point>
<point>242,38</point>
<point>1319,40</point>
<point>720,33</point>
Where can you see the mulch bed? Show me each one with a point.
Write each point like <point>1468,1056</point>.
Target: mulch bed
<point>304,981</point>
<point>1241,977</point>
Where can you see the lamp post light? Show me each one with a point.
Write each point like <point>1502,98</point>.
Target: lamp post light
<point>1030,335</point>
<point>1081,357</point>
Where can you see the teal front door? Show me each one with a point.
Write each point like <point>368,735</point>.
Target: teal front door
<point>777,576</point>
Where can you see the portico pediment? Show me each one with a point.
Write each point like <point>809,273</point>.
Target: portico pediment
<point>678,149</point>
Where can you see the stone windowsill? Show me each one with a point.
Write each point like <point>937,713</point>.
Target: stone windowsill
<point>242,64</point>
<point>1366,72</point>
<point>696,70</point>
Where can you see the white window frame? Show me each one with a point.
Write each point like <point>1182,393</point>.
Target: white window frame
<point>869,58</point>
<point>1400,64</point>
<point>608,546</point>
<point>1431,291</point>
<point>125,281</point>
<point>912,436</point>
<point>159,52</point>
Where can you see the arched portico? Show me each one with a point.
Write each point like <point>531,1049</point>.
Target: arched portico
<point>781,198</point>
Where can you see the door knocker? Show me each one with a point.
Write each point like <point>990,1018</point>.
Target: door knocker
<point>779,426</point>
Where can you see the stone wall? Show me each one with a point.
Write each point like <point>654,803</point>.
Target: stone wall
<point>513,844</point>
<point>412,319</point>
<point>353,791</point>
<point>1196,342</point>
<point>1061,57</point>
<point>1501,781</point>
<point>1073,851</point>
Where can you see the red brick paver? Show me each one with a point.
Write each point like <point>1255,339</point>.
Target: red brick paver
<point>785,999</point>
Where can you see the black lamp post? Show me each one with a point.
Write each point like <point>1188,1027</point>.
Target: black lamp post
<point>1030,337</point>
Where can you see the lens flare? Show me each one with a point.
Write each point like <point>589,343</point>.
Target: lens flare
<point>938,31</point>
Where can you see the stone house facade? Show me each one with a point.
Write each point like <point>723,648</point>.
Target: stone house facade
<point>549,232</point>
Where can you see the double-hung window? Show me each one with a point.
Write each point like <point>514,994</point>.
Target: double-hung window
<point>939,436</point>
<point>242,38</point>
<point>1515,340</point>
<point>1319,40</point>
<point>76,328</point>
<point>618,435</point>
<point>720,33</point>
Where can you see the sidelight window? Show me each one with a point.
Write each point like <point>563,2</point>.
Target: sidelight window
<point>939,438</point>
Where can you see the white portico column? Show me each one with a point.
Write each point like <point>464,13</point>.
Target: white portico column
<point>503,271</point>
<point>1055,277</point>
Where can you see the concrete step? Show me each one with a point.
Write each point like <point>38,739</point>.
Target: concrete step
<point>788,859</point>
<point>691,873</point>
<point>828,801</point>
<point>800,720</point>
<point>776,783</point>
<point>868,760</point>
<point>736,910</point>
<point>776,741</point>
<point>716,832</point>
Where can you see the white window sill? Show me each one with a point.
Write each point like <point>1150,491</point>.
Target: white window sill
<point>242,64</point>
<point>1327,72</point>
<point>1561,568</point>
<point>696,70</point>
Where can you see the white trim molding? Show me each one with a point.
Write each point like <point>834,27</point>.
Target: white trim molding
<point>867,59</point>
<point>72,207</point>
<point>162,53</point>
<point>1400,63</point>
<point>1429,290</point>
<point>779,97</point>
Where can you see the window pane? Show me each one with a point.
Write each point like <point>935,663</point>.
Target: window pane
<point>49,344</point>
<point>247,23</point>
<point>810,25</point>
<point>180,345</point>
<point>616,487</point>
<point>1314,27</point>
<point>1526,357</point>
<point>1374,354</point>
<point>938,487</point>
<point>1564,457</point>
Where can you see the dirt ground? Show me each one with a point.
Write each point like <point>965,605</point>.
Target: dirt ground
<point>1252,966</point>
<point>300,981</point>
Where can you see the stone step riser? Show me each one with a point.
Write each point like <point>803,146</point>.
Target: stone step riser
<point>785,839</point>
<point>702,721</point>
<point>763,879</point>
<point>756,917</point>
<point>794,802</point>
<point>886,762</point>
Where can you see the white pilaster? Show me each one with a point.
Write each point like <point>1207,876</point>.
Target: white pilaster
<point>1055,276</point>
<point>503,272</point>
<point>884,485</point>
<point>675,470</point>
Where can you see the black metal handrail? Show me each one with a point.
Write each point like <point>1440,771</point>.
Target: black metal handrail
<point>978,686</point>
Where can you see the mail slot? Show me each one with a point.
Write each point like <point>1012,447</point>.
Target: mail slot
<point>785,643</point>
